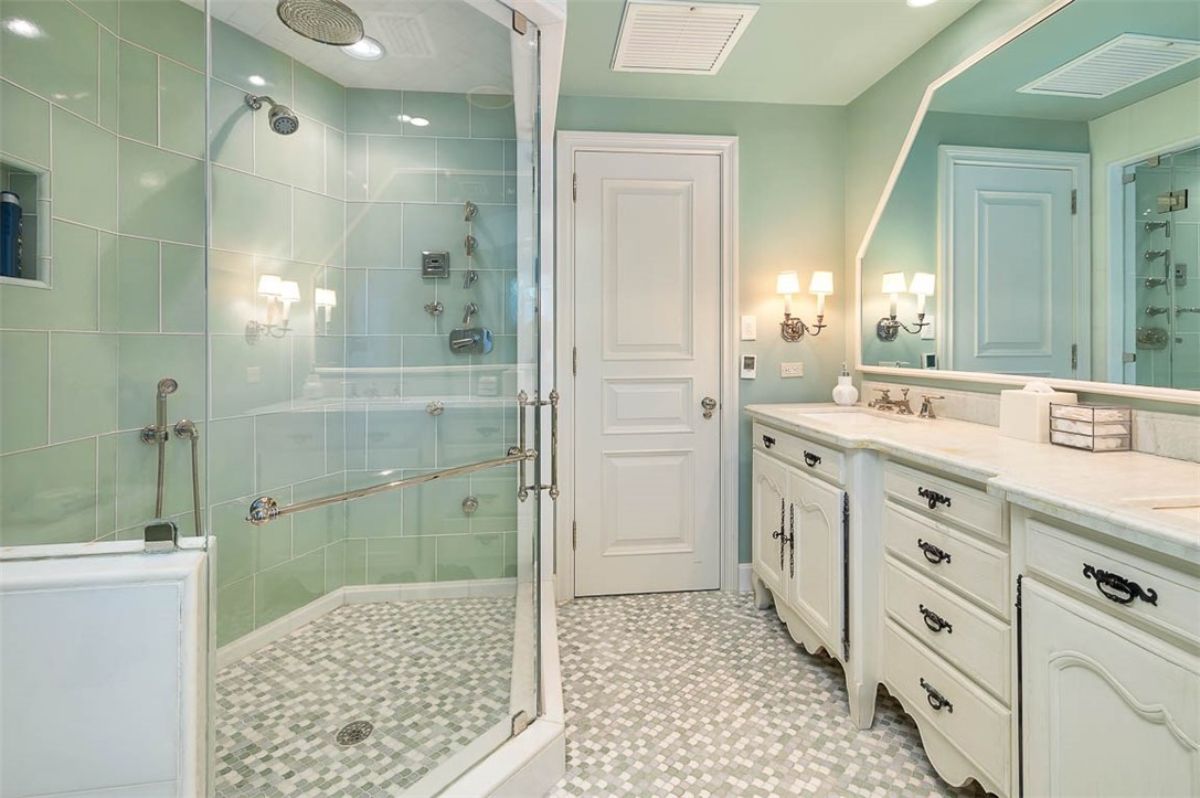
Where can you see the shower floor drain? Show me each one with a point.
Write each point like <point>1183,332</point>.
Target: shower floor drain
<point>354,733</point>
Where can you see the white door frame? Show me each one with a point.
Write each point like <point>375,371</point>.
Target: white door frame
<point>1078,164</point>
<point>724,147</point>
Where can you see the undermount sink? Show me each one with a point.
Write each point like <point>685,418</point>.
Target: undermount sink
<point>1186,508</point>
<point>854,413</point>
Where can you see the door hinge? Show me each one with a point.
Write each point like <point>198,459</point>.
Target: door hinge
<point>1074,201</point>
<point>520,23</point>
<point>574,536</point>
<point>1129,178</point>
<point>574,186</point>
<point>520,722</point>
<point>1129,357</point>
<point>1074,357</point>
<point>574,361</point>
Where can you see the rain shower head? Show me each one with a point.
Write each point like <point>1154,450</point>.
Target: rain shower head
<point>324,21</point>
<point>281,118</point>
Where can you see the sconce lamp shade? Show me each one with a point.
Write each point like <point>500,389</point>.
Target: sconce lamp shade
<point>894,283</point>
<point>821,284</point>
<point>289,291</point>
<point>270,285</point>
<point>787,283</point>
<point>922,284</point>
<point>325,298</point>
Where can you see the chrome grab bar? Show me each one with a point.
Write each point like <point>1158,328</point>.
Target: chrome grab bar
<point>264,509</point>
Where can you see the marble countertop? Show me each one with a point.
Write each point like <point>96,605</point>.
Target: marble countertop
<point>1111,492</point>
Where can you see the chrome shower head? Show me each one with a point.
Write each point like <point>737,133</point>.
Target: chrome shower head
<point>281,118</point>
<point>324,21</point>
<point>167,386</point>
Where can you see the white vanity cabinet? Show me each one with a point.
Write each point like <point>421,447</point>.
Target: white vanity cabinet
<point>1110,668</point>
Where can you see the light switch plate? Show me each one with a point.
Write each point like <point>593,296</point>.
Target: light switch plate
<point>791,369</point>
<point>749,328</point>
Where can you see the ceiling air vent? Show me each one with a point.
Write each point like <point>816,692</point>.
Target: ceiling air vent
<point>1115,65</point>
<point>675,36</point>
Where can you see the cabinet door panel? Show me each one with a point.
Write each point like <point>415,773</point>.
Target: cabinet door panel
<point>1109,710</point>
<point>769,510</point>
<point>815,587</point>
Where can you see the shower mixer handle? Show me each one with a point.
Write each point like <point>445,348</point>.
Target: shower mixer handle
<point>470,310</point>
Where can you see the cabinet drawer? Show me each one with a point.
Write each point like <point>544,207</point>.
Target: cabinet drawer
<point>1168,599</point>
<point>968,565</point>
<point>809,456</point>
<point>945,499</point>
<point>974,723</point>
<point>969,638</point>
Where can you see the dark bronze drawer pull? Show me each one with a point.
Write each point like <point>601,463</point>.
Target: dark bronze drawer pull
<point>811,459</point>
<point>768,441</point>
<point>932,552</point>
<point>935,622</point>
<point>933,498</point>
<point>936,699</point>
<point>1118,588</point>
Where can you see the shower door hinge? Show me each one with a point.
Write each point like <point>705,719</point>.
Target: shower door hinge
<point>1173,201</point>
<point>1074,202</point>
<point>574,536</point>
<point>520,722</point>
<point>1129,178</point>
<point>574,186</point>
<point>1129,357</point>
<point>574,361</point>
<point>1074,356</point>
<point>520,23</point>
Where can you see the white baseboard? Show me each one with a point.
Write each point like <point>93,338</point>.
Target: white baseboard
<point>358,594</point>
<point>744,571</point>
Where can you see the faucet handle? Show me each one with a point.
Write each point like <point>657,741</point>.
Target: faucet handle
<point>927,400</point>
<point>884,393</point>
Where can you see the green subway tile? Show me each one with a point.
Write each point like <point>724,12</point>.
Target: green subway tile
<point>232,124</point>
<point>249,377</point>
<point>231,286</point>
<point>435,508</point>
<point>470,557</point>
<point>374,111</point>
<point>162,194</point>
<point>108,113</point>
<point>319,97</point>
<point>181,97</point>
<point>317,528</point>
<point>48,495</point>
<point>447,114</point>
<point>400,438</point>
<point>70,304</point>
<point>511,179</point>
<point>136,476</point>
<point>356,561</point>
<point>492,116</point>
<point>431,350</point>
<point>335,565</point>
<point>85,172</point>
<point>495,231</point>
<point>467,434</point>
<point>470,169</point>
<point>108,282</point>
<point>374,351</point>
<point>401,170</point>
<point>510,554</point>
<point>235,611</point>
<point>274,541</point>
<point>252,66</point>
<point>290,446</point>
<point>236,542</point>
<point>497,504</point>
<point>83,384</point>
<point>129,286</point>
<point>182,288</point>
<point>145,359</point>
<point>251,214</point>
<point>356,167</point>
<point>396,299</point>
<point>373,236</point>
<point>60,64</point>
<point>169,27</point>
<point>320,229</point>
<point>335,163</point>
<point>288,587</point>
<point>433,228</point>
<point>487,292</point>
<point>373,516</point>
<point>298,159</point>
<point>24,125</point>
<point>103,11</point>
<point>230,458</point>
<point>137,106</point>
<point>24,381</point>
<point>400,560</point>
<point>106,483</point>
<point>354,303</point>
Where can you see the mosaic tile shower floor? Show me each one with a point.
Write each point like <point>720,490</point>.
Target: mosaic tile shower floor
<point>430,675</point>
<point>680,694</point>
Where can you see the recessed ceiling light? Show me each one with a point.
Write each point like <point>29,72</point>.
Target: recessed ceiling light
<point>419,121</point>
<point>23,28</point>
<point>257,80</point>
<point>365,49</point>
<point>920,3</point>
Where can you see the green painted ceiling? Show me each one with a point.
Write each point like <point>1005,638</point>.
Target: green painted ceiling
<point>820,52</point>
<point>991,86</point>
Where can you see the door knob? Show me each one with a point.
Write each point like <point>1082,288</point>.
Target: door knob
<point>709,404</point>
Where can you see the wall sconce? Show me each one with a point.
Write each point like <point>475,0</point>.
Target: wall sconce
<point>325,300</point>
<point>888,327</point>
<point>280,295</point>
<point>793,328</point>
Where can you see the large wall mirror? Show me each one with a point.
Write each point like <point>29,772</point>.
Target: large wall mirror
<point>1046,220</point>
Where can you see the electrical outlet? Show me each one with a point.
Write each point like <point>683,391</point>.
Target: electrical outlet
<point>749,328</point>
<point>791,369</point>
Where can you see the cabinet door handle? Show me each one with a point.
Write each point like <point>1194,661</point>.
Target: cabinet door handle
<point>933,498</point>
<point>791,540</point>
<point>935,622</point>
<point>768,441</point>
<point>932,553</point>
<point>1119,589</point>
<point>936,699</point>
<point>780,534</point>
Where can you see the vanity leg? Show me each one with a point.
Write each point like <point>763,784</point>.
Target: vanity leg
<point>862,703</point>
<point>762,597</point>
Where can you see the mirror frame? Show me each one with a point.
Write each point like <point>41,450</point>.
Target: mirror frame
<point>1169,395</point>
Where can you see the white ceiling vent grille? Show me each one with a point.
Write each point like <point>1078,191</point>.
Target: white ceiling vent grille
<point>677,36</point>
<point>1115,65</point>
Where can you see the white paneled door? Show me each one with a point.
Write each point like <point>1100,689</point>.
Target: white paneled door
<point>647,333</point>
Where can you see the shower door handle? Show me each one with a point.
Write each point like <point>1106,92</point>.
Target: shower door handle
<point>523,401</point>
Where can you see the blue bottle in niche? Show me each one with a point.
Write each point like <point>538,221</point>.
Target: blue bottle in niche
<point>10,234</point>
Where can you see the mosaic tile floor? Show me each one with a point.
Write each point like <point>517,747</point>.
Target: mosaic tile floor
<point>430,675</point>
<point>680,694</point>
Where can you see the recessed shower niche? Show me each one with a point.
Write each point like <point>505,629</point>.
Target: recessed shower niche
<point>24,222</point>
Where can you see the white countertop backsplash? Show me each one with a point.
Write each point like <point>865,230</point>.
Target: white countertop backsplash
<point>1093,490</point>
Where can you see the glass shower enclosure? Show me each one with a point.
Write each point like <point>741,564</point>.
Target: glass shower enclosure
<point>308,230</point>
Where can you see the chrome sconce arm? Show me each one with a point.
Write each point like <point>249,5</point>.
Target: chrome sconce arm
<point>889,327</point>
<point>793,328</point>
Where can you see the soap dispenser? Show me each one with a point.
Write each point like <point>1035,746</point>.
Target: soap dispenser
<point>844,393</point>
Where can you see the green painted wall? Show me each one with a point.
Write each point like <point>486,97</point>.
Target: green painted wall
<point>791,161</point>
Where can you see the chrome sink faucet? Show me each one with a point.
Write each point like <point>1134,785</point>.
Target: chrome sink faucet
<point>927,405</point>
<point>885,402</point>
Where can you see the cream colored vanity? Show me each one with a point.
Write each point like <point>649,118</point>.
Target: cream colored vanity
<point>1043,631</point>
